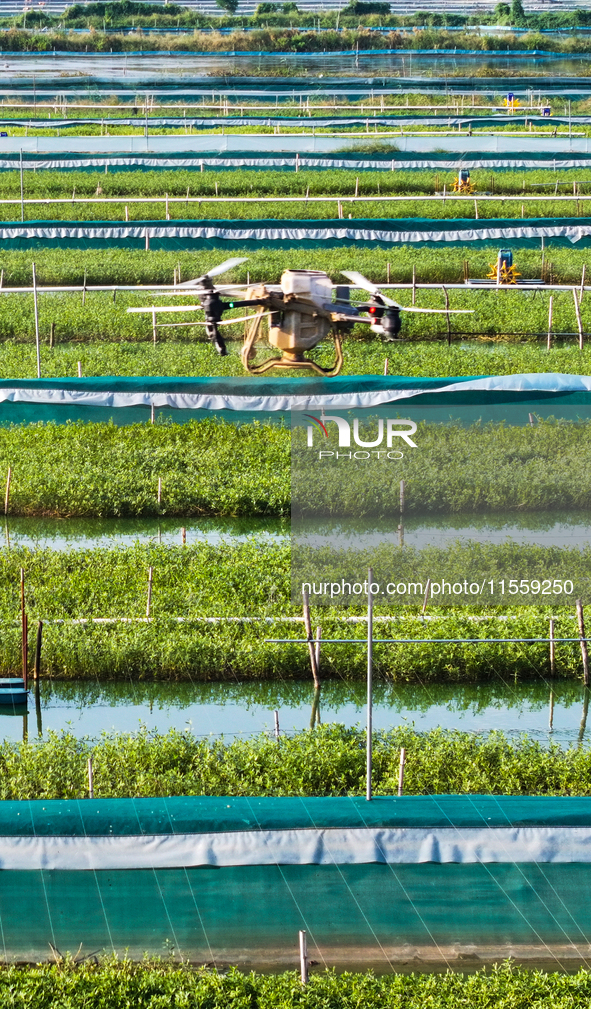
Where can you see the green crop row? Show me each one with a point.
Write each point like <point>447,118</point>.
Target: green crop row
<point>301,210</point>
<point>330,760</point>
<point>61,267</point>
<point>217,468</point>
<point>113,984</point>
<point>329,182</point>
<point>75,592</point>
<point>509,314</point>
<point>428,359</point>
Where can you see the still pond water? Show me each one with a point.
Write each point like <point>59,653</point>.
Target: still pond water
<point>243,709</point>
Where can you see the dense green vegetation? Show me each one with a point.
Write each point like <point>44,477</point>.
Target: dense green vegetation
<point>62,267</point>
<point>457,208</point>
<point>337,182</point>
<point>428,359</point>
<point>216,468</point>
<point>292,39</point>
<point>329,760</point>
<point>251,579</point>
<point>151,984</point>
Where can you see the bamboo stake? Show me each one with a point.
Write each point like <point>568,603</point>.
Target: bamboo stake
<point>183,536</point>
<point>79,369</point>
<point>311,648</point>
<point>578,314</point>
<point>551,711</point>
<point>317,648</point>
<point>414,284</point>
<point>7,495</point>
<point>447,319</point>
<point>550,306</point>
<point>149,599</point>
<point>52,336</point>
<point>583,642</point>
<point>36,309</point>
<point>159,489</point>
<point>401,771</point>
<point>385,366</point>
<point>552,648</point>
<point>37,666</point>
<point>90,779</point>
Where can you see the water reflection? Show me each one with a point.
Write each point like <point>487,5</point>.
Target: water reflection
<point>543,710</point>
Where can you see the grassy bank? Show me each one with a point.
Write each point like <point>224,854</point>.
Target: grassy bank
<point>113,984</point>
<point>329,760</point>
<point>291,40</point>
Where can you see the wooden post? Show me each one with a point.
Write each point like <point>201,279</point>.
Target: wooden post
<point>401,771</point>
<point>90,779</point>
<point>37,666</point>
<point>159,489</point>
<point>552,648</point>
<point>387,273</point>
<point>126,212</point>
<point>303,958</point>
<point>578,314</point>
<point>369,726</point>
<point>475,210</point>
<point>357,186</point>
<point>426,597</point>
<point>317,648</point>
<point>385,366</point>
<point>447,319</point>
<point>582,291</point>
<point>550,305</point>
<point>152,414</point>
<point>79,369</point>
<point>52,335</point>
<point>414,283</point>
<point>36,309</point>
<point>276,718</point>
<point>26,651</point>
<point>84,289</point>
<point>183,536</point>
<point>583,642</point>
<point>551,711</point>
<point>531,419</point>
<point>402,490</point>
<point>400,535</point>
<point>7,495</point>
<point>311,648</point>
<point>147,234</point>
<point>154,326</point>
<point>149,599</point>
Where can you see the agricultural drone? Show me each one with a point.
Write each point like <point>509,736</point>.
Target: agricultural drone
<point>300,313</point>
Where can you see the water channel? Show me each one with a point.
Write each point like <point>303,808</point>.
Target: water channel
<point>232,710</point>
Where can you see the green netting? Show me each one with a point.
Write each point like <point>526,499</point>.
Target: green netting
<point>119,817</point>
<point>254,911</point>
<point>563,232</point>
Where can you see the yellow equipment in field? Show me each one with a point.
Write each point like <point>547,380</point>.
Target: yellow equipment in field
<point>462,182</point>
<point>503,271</point>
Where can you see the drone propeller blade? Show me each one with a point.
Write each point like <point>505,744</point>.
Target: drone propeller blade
<point>439,311</point>
<point>360,281</point>
<point>229,264</point>
<point>215,271</point>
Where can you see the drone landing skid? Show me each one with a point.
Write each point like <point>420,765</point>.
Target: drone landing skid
<point>297,362</point>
